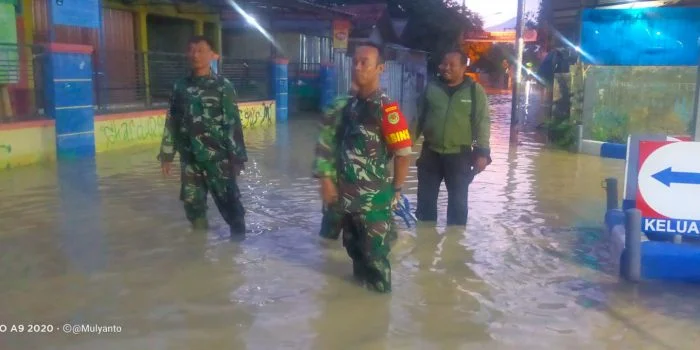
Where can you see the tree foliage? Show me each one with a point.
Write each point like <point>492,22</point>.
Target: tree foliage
<point>544,18</point>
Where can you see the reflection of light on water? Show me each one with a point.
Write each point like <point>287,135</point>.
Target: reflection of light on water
<point>528,87</point>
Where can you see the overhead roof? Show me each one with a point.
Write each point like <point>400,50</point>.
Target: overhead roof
<point>266,8</point>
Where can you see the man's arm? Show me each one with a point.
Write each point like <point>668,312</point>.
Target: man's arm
<point>233,128</point>
<point>482,124</point>
<point>417,125</point>
<point>325,164</point>
<point>325,152</point>
<point>398,139</point>
<point>168,145</point>
<point>402,162</point>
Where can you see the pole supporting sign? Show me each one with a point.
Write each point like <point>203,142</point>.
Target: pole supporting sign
<point>76,13</point>
<point>668,187</point>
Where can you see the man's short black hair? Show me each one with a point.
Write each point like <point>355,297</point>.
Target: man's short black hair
<point>462,56</point>
<point>199,39</point>
<point>380,50</point>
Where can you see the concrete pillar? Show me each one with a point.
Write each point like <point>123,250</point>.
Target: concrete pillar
<point>218,40</point>
<point>198,27</point>
<point>142,40</point>
<point>280,88</point>
<point>329,86</point>
<point>69,97</point>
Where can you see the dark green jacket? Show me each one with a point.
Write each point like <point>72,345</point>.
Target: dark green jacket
<point>449,123</point>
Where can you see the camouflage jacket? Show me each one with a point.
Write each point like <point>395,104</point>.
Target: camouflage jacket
<point>352,151</point>
<point>203,122</point>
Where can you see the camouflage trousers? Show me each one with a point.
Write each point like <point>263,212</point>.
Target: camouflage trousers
<point>368,243</point>
<point>332,224</point>
<point>199,178</point>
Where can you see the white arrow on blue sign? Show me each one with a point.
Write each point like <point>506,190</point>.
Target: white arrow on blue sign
<point>669,184</point>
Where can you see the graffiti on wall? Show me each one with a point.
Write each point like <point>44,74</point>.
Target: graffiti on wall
<point>135,130</point>
<point>5,152</point>
<point>258,114</point>
<point>146,128</point>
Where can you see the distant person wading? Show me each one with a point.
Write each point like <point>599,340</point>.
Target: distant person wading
<point>454,120</point>
<point>203,125</point>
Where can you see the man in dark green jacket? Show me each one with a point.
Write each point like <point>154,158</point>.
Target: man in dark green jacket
<point>454,120</point>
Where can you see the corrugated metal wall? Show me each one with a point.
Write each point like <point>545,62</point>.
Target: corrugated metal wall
<point>400,81</point>
<point>391,80</point>
<point>167,34</point>
<point>343,64</point>
<point>123,66</point>
<point>64,34</point>
<point>116,73</point>
<point>314,49</point>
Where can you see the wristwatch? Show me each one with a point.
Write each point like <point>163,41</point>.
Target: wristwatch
<point>397,189</point>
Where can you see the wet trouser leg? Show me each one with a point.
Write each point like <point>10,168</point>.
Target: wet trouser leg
<point>458,176</point>
<point>217,178</point>
<point>332,222</point>
<point>227,196</point>
<point>366,239</point>
<point>193,193</point>
<point>430,177</point>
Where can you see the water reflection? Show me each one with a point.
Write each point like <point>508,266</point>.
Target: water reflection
<point>83,243</point>
<point>448,287</point>
<point>360,321</point>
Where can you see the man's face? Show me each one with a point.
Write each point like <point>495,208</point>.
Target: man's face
<point>366,66</point>
<point>452,68</point>
<point>200,55</point>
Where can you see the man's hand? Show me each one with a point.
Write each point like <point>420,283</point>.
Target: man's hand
<point>165,168</point>
<point>397,199</point>
<point>238,169</point>
<point>480,164</point>
<point>329,192</point>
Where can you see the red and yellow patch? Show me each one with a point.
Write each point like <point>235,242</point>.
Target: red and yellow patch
<point>395,128</point>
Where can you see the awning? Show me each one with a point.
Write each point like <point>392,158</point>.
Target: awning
<point>281,9</point>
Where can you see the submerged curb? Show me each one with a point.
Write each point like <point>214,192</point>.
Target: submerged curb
<point>604,149</point>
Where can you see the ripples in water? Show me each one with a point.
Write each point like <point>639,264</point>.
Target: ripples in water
<point>529,272</point>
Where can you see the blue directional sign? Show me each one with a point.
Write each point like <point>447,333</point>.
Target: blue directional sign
<point>77,13</point>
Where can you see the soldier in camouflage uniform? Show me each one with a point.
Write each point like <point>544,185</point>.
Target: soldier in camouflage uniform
<point>358,139</point>
<point>203,125</point>
<point>331,224</point>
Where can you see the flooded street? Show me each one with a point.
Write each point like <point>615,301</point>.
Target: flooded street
<point>530,271</point>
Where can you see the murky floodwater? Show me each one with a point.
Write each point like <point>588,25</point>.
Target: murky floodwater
<point>528,273</point>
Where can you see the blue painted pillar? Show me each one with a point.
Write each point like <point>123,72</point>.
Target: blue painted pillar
<point>280,88</point>
<point>69,95</point>
<point>328,84</point>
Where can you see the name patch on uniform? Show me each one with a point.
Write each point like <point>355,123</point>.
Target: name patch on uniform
<point>395,128</point>
<point>399,136</point>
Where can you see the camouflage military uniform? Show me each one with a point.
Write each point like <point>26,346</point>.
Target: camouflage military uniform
<point>332,222</point>
<point>352,152</point>
<point>203,124</point>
